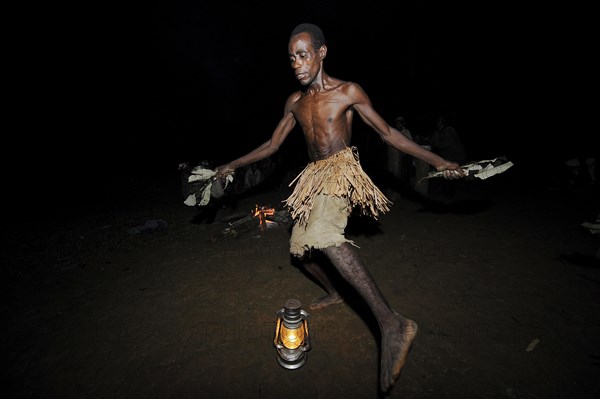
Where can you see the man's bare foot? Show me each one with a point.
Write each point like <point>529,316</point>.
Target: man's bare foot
<point>320,303</point>
<point>396,343</point>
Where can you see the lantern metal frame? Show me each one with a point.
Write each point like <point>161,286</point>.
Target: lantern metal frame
<point>292,317</point>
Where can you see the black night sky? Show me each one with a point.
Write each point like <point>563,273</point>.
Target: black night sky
<point>138,90</point>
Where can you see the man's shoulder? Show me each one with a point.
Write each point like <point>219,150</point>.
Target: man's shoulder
<point>337,84</point>
<point>295,96</point>
<point>351,88</point>
<point>348,84</point>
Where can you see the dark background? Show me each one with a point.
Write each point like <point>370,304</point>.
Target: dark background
<point>122,90</point>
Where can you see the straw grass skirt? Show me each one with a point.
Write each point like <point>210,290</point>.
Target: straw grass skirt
<point>331,188</point>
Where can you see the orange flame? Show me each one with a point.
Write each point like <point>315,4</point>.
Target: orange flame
<point>262,212</point>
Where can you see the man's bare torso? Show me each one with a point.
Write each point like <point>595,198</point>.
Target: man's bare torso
<point>325,117</point>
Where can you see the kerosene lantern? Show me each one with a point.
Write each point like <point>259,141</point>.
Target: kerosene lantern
<point>291,335</point>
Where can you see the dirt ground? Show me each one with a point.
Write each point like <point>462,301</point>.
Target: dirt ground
<point>91,310</point>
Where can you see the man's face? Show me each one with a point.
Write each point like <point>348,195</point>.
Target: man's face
<point>304,58</point>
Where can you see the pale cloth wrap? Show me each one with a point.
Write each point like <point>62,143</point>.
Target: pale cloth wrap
<point>323,198</point>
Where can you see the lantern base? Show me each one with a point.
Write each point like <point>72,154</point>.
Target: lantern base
<point>292,364</point>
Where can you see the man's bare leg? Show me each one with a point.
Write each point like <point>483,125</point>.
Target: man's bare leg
<point>397,332</point>
<point>332,296</point>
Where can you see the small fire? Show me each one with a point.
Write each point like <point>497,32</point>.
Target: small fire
<point>262,212</point>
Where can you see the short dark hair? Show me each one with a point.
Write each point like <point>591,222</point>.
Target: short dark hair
<point>318,38</point>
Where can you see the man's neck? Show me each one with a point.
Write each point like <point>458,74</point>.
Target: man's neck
<point>319,84</point>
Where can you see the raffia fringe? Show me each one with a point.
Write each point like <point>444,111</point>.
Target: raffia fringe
<point>340,175</point>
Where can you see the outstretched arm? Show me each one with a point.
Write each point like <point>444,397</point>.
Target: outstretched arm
<point>364,108</point>
<point>266,149</point>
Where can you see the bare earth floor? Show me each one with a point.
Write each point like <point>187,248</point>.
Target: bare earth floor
<point>92,311</point>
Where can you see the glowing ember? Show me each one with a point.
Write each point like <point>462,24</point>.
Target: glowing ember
<point>262,212</point>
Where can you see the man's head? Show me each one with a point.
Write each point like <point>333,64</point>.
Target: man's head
<point>307,50</point>
<point>316,34</point>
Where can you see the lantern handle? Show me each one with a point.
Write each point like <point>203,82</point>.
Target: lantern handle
<point>278,346</point>
<point>306,347</point>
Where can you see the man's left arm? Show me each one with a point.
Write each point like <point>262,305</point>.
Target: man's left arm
<point>364,108</point>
